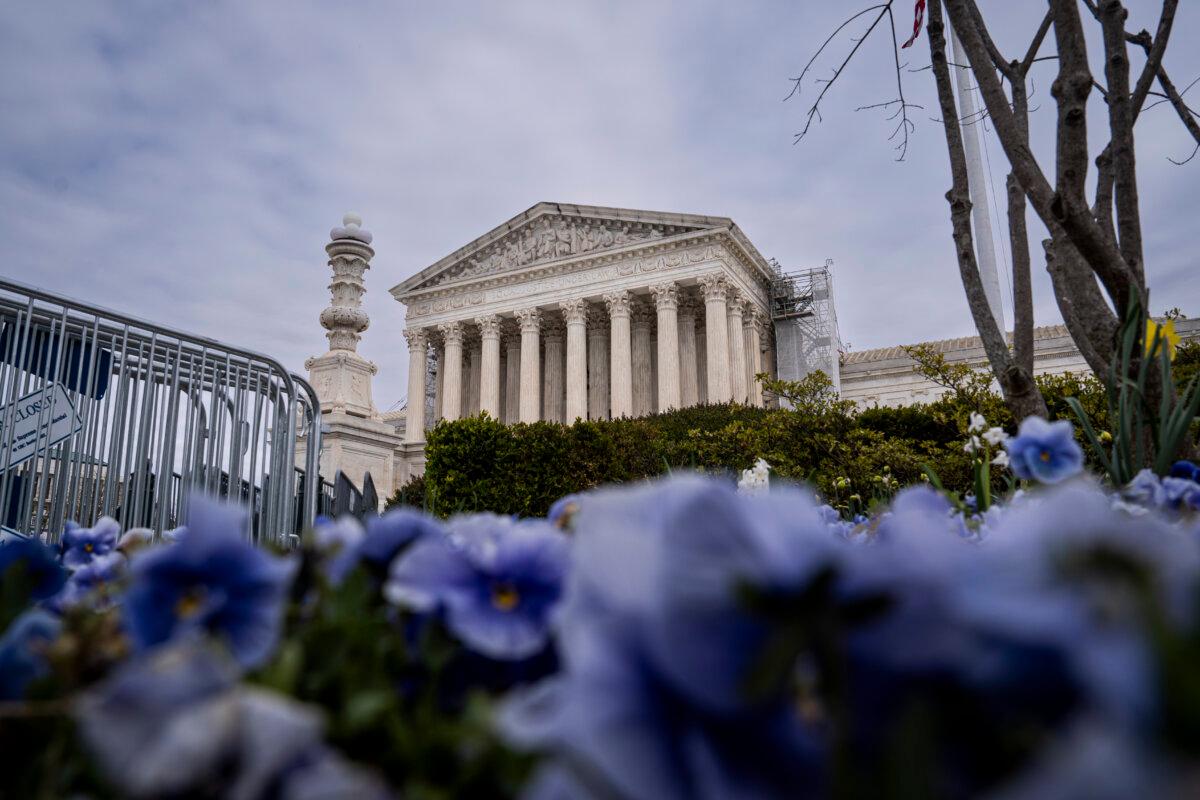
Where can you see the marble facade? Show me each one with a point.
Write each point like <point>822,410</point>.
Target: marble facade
<point>581,312</point>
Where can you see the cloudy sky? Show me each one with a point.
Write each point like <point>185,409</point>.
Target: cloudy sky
<point>185,161</point>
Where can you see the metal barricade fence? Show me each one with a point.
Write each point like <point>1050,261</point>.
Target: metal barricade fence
<point>105,414</point>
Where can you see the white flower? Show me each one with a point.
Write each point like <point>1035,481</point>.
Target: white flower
<point>757,479</point>
<point>995,436</point>
<point>1001,459</point>
<point>973,445</point>
<point>978,423</point>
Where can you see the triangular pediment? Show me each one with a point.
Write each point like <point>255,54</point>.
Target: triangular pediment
<point>551,232</point>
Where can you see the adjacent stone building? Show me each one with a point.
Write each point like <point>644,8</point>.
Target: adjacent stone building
<point>886,376</point>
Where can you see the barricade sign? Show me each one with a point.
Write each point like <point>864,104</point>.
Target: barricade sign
<point>41,419</point>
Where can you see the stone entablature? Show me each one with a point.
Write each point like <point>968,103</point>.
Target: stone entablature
<point>689,257</point>
<point>595,297</point>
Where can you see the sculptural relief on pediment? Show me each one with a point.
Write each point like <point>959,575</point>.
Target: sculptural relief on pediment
<point>549,239</point>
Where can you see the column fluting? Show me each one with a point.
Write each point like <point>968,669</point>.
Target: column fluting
<point>641,321</point>
<point>418,353</point>
<point>575,314</point>
<point>554,397</point>
<point>737,347</point>
<point>489,370</point>
<point>666,301</point>
<point>716,338</point>
<point>599,394</point>
<point>620,355</point>
<point>531,380</point>
<point>752,324</point>
<point>439,355</point>
<point>475,371</point>
<point>452,383</point>
<point>689,390</point>
<point>512,389</point>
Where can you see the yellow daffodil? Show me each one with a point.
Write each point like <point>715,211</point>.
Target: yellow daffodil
<point>1166,336</point>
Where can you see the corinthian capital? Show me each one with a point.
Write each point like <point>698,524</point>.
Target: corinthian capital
<point>666,295</point>
<point>489,326</point>
<point>735,302</point>
<point>574,311</point>
<point>641,315</point>
<point>714,287</point>
<point>530,319</point>
<point>452,332</point>
<point>417,338</point>
<point>618,303</point>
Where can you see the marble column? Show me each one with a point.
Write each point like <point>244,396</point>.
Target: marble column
<point>701,364</point>
<point>737,347</point>
<point>512,389</point>
<point>575,314</point>
<point>769,367</point>
<point>666,302</point>
<point>553,383</point>
<point>641,321</point>
<point>716,338</point>
<point>489,368</point>
<point>689,390</point>
<point>620,373</point>
<point>531,378</point>
<point>751,326</point>
<point>474,374</point>
<point>502,379</point>
<point>452,384</point>
<point>440,388</point>
<point>418,353</point>
<point>597,363</point>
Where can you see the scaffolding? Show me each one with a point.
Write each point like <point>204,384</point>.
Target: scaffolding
<point>805,321</point>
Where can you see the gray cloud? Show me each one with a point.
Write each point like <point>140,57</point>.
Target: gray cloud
<point>185,162</point>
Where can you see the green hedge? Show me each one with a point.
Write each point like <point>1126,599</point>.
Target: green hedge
<point>479,464</point>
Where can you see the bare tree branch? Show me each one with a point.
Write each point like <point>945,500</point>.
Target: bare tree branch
<point>905,125</point>
<point>1121,115</point>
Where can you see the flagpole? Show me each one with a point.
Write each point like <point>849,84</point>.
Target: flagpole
<point>985,248</point>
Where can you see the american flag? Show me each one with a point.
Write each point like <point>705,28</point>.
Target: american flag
<point>918,17</point>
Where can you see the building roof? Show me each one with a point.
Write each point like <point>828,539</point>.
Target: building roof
<point>946,346</point>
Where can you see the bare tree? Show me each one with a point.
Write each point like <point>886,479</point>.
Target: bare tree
<point>1094,254</point>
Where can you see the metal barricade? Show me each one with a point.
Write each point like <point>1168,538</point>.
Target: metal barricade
<point>105,414</point>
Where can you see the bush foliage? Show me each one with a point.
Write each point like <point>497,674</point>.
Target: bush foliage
<point>850,456</point>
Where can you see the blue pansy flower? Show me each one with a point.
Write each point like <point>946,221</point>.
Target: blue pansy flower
<point>337,541</point>
<point>1186,470</point>
<point>496,579</point>
<point>38,563</point>
<point>388,534</point>
<point>211,580</point>
<point>22,651</point>
<point>1045,451</point>
<point>657,647</point>
<point>1181,494</point>
<point>175,722</point>
<point>81,545</point>
<point>563,512</point>
<point>88,580</point>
